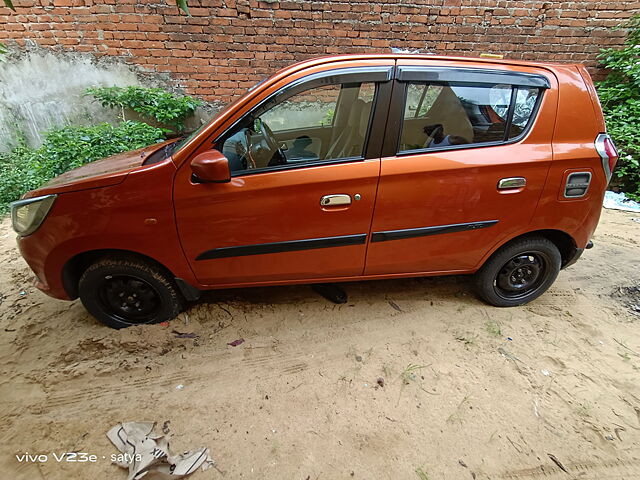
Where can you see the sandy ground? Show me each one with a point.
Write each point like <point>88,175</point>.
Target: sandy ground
<point>469,391</point>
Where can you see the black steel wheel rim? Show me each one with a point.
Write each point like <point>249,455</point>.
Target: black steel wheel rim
<point>522,275</point>
<point>129,299</point>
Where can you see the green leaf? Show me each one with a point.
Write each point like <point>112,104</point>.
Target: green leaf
<point>620,97</point>
<point>182,4</point>
<point>164,107</point>
<point>9,4</point>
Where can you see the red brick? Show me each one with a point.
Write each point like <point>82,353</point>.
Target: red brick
<point>227,12</point>
<point>227,45</point>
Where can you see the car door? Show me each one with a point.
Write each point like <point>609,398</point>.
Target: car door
<point>466,155</point>
<point>304,177</point>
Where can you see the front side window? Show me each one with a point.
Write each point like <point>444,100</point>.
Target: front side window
<point>328,122</point>
<point>449,114</point>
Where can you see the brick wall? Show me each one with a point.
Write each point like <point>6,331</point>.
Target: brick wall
<point>228,45</point>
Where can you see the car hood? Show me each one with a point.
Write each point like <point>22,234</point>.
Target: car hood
<point>101,173</point>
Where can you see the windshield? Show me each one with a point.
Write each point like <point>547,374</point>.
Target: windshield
<point>169,149</point>
<point>184,140</point>
<point>175,147</point>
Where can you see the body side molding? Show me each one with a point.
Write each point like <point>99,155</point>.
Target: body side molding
<point>388,235</point>
<point>279,247</point>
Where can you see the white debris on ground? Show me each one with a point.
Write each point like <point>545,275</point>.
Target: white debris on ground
<point>145,451</point>
<point>619,201</point>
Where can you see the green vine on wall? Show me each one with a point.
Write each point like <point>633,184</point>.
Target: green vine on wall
<point>154,103</point>
<point>620,97</point>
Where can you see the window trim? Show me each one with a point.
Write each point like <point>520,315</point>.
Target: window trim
<point>423,74</point>
<point>296,166</point>
<point>511,110</point>
<point>506,141</point>
<point>425,89</point>
<point>378,75</point>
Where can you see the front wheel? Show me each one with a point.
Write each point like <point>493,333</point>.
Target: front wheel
<point>519,272</point>
<point>125,292</point>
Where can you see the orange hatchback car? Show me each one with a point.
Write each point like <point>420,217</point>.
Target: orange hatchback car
<point>337,169</point>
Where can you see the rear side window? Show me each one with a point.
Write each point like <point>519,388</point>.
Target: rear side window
<point>438,115</point>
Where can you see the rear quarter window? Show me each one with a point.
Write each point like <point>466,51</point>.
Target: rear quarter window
<point>450,114</point>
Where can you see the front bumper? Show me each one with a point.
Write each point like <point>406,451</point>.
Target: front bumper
<point>32,253</point>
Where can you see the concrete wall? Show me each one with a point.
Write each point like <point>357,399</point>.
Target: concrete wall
<point>40,90</point>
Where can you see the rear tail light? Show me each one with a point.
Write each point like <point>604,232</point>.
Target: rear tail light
<point>611,150</point>
<point>608,153</point>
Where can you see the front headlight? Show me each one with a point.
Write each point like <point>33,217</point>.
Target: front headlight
<point>27,215</point>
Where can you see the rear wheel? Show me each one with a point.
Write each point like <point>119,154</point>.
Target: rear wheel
<point>125,292</point>
<point>519,272</point>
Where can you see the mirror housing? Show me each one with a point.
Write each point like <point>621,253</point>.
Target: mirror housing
<point>211,167</point>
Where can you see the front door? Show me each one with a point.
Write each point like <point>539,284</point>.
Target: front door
<point>301,197</point>
<point>464,168</point>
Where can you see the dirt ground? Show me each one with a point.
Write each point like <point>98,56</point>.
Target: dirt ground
<point>549,390</point>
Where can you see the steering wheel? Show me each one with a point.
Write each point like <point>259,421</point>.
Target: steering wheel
<point>248,155</point>
<point>268,135</point>
<point>278,157</point>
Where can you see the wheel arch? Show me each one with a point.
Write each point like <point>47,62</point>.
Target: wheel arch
<point>562,240</point>
<point>76,266</point>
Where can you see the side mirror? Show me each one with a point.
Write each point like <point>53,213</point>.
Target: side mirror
<point>211,167</point>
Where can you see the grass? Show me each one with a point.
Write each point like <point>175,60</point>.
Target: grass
<point>387,371</point>
<point>584,409</point>
<point>275,448</point>
<point>422,475</point>
<point>493,328</point>
<point>409,373</point>
<point>456,416</point>
<point>625,356</point>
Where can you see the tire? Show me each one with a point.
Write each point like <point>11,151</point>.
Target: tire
<point>519,272</point>
<point>123,292</point>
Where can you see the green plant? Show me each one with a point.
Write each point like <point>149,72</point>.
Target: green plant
<point>493,328</point>
<point>625,356</point>
<point>409,373</point>
<point>456,417</point>
<point>584,409</point>
<point>156,103</point>
<point>25,168</point>
<point>328,117</point>
<point>422,475</point>
<point>620,97</point>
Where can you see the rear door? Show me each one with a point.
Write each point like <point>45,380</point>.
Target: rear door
<point>466,154</point>
<point>302,211</point>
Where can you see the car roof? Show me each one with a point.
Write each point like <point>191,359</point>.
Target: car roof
<point>426,56</point>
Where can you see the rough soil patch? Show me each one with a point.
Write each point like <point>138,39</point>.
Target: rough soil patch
<point>409,379</point>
